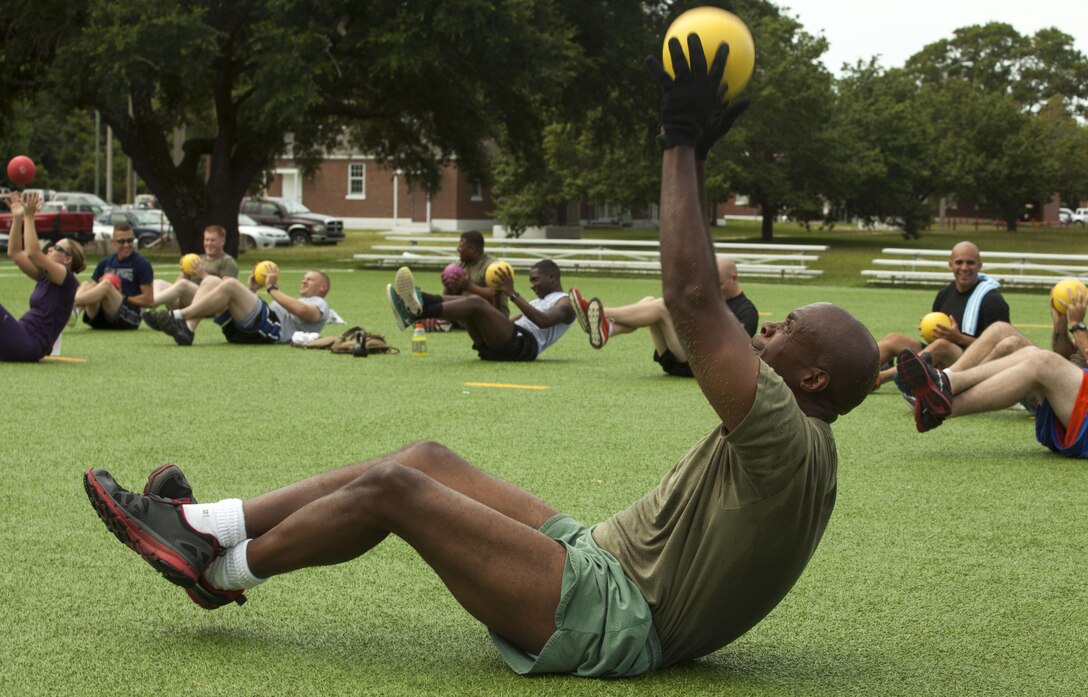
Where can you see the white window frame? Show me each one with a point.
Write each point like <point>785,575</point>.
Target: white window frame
<point>477,190</point>
<point>356,177</point>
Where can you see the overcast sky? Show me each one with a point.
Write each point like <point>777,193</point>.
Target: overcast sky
<point>896,30</point>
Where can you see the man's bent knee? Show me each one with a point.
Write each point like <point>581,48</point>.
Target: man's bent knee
<point>1011,344</point>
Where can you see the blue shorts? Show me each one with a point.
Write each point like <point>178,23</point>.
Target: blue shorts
<point>603,624</point>
<point>260,326</point>
<point>1069,439</point>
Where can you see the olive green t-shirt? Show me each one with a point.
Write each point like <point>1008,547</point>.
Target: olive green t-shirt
<point>225,266</point>
<point>477,273</point>
<point>730,528</point>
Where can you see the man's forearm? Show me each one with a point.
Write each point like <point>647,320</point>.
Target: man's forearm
<point>688,273</point>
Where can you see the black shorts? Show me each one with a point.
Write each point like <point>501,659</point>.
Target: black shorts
<point>128,317</point>
<point>672,365</point>
<point>521,347</point>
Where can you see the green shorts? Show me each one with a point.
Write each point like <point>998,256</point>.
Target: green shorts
<point>603,624</point>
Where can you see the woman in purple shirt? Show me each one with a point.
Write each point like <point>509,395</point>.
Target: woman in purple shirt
<point>32,336</point>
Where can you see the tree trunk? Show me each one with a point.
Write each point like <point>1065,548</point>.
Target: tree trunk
<point>769,213</point>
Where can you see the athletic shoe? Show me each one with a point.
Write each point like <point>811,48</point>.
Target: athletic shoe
<point>177,328</point>
<point>152,527</point>
<point>167,482</point>
<point>209,597</point>
<point>151,319</point>
<point>404,283</point>
<point>74,318</point>
<point>924,420</point>
<point>580,305</point>
<point>928,385</point>
<point>400,313</point>
<point>599,325</point>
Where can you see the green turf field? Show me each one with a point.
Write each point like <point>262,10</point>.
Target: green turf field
<point>954,563</point>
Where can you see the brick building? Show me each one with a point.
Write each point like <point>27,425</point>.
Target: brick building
<point>368,195</point>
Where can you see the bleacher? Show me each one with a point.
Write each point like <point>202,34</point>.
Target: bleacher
<point>1011,269</point>
<point>592,255</point>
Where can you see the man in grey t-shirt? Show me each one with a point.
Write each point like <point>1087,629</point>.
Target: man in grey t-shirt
<point>244,316</point>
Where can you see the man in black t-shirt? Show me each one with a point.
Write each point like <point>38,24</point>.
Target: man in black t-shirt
<point>971,300</point>
<point>650,312</point>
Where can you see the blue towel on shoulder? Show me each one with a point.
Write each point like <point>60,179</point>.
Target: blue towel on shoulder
<point>969,322</point>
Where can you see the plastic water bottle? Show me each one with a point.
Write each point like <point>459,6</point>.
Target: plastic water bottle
<point>419,341</point>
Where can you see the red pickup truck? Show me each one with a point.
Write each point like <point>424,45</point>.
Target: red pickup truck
<point>55,225</point>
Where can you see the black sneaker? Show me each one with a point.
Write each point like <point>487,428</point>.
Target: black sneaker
<point>168,482</point>
<point>924,420</point>
<point>177,328</point>
<point>152,527</point>
<point>210,598</point>
<point>152,319</point>
<point>928,385</point>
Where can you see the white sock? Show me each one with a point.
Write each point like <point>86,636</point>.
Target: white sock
<point>231,571</point>
<point>176,314</point>
<point>225,520</point>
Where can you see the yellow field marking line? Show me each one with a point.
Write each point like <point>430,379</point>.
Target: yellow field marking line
<point>63,359</point>
<point>1033,326</point>
<point>506,386</point>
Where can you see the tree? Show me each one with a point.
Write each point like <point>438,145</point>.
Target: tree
<point>997,154</point>
<point>600,149</point>
<point>1000,98</point>
<point>1033,71</point>
<point>1068,141</point>
<point>414,84</point>
<point>889,168</point>
<point>782,151</point>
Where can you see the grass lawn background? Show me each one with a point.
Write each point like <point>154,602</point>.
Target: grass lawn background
<point>954,562</point>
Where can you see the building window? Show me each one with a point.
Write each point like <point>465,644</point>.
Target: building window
<point>357,180</point>
<point>477,190</point>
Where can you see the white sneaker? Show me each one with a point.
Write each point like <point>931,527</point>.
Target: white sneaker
<point>405,286</point>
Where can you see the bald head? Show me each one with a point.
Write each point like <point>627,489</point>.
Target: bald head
<point>965,264</point>
<point>727,275</point>
<point>847,352</point>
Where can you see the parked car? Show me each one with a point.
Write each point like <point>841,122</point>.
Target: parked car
<point>146,201</point>
<point>45,195</point>
<point>3,242</point>
<point>1080,216</point>
<point>83,203</point>
<point>150,227</point>
<point>53,225</point>
<point>1065,215</point>
<point>301,224</point>
<point>253,235</point>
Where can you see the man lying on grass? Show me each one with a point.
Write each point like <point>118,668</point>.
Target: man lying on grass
<point>688,568</point>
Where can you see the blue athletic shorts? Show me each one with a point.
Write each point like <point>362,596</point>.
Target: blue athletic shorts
<point>603,624</point>
<point>260,326</point>
<point>1069,439</point>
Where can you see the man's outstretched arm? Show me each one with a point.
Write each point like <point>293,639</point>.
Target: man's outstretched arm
<point>719,350</point>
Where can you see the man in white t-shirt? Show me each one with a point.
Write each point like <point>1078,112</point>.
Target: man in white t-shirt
<point>245,317</point>
<point>495,337</point>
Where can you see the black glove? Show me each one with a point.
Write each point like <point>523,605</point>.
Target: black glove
<point>721,120</point>
<point>692,96</point>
